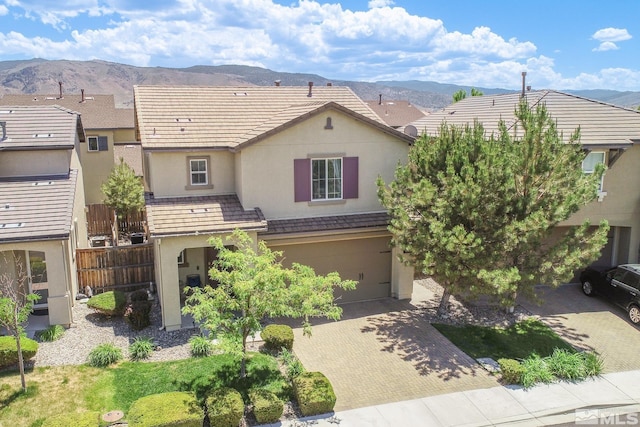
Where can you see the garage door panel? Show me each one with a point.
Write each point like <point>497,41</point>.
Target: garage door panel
<point>367,261</point>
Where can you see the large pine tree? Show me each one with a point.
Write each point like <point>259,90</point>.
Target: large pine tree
<point>480,213</point>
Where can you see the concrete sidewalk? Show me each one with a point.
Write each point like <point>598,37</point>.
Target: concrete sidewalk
<point>597,400</point>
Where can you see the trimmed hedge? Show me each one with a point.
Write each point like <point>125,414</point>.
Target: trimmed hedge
<point>225,407</point>
<point>175,409</point>
<point>314,393</point>
<point>77,419</point>
<point>277,336</point>
<point>511,370</point>
<point>267,408</point>
<point>9,351</point>
<point>111,303</point>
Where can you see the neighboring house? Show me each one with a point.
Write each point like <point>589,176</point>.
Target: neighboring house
<point>293,166</point>
<point>109,130</point>
<point>42,217</point>
<point>609,135</point>
<point>396,114</point>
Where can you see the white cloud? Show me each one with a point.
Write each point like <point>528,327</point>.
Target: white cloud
<point>611,35</point>
<point>379,3</point>
<point>604,46</point>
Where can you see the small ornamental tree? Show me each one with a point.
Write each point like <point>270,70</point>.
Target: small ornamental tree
<point>253,284</point>
<point>16,304</point>
<point>123,191</point>
<point>477,213</point>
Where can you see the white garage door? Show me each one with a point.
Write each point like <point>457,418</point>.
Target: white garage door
<point>368,261</point>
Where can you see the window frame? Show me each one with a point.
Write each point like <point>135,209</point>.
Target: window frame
<point>326,179</point>
<point>591,171</point>
<point>95,150</point>
<point>207,173</point>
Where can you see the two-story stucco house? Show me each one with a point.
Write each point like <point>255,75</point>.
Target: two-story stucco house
<point>609,135</point>
<point>42,217</point>
<point>293,166</point>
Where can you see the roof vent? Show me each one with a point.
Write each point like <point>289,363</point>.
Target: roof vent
<point>277,83</point>
<point>39,183</point>
<point>42,135</point>
<point>240,93</point>
<point>60,84</point>
<point>310,88</point>
<point>12,225</point>
<point>7,207</point>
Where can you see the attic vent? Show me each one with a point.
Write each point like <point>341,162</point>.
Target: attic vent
<point>7,207</point>
<point>240,93</point>
<point>12,225</point>
<point>42,135</point>
<point>203,210</point>
<point>38,184</point>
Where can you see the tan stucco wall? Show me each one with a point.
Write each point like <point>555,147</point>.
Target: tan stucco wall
<point>621,205</point>
<point>123,135</point>
<point>34,163</point>
<point>169,173</point>
<point>96,166</point>
<point>267,175</point>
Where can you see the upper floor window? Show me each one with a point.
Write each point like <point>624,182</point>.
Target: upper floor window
<point>97,143</point>
<point>591,162</point>
<point>198,169</point>
<point>326,179</point>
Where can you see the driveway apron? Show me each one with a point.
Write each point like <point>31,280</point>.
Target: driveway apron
<point>385,351</point>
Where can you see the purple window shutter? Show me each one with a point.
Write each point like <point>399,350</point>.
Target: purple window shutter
<point>350,177</point>
<point>302,179</point>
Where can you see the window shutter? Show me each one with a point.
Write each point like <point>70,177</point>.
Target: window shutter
<point>102,143</point>
<point>350,178</point>
<point>302,179</point>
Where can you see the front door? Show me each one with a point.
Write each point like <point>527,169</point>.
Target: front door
<point>37,272</point>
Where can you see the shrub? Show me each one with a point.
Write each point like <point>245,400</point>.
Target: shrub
<point>137,314</point>
<point>176,408</point>
<point>141,348</point>
<point>104,355</point>
<point>567,365</point>
<point>139,295</point>
<point>267,408</point>
<point>314,393</point>
<point>293,365</point>
<point>511,371</point>
<point>76,419</point>
<point>52,333</point>
<point>536,370</point>
<point>225,407</point>
<point>9,351</point>
<point>593,363</point>
<point>111,303</point>
<point>277,336</point>
<point>200,346</point>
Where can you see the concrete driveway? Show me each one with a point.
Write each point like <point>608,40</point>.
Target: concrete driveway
<point>385,351</point>
<point>590,323</point>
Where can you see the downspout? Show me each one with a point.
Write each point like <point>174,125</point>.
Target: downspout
<point>159,281</point>
<point>67,273</point>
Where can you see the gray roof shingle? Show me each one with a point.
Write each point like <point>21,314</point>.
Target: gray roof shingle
<point>328,223</point>
<point>40,127</point>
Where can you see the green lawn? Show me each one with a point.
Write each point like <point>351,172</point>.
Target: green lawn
<point>55,390</point>
<point>515,342</point>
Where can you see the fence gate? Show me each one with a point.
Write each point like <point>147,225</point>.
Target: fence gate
<point>125,268</point>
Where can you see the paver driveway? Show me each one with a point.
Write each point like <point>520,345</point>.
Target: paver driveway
<point>590,323</point>
<point>385,351</point>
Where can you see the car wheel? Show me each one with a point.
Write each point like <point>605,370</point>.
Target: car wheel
<point>587,288</point>
<point>634,314</point>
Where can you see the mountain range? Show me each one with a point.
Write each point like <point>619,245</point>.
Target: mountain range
<point>39,76</point>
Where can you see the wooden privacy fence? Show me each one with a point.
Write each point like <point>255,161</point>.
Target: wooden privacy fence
<point>123,268</point>
<point>100,219</point>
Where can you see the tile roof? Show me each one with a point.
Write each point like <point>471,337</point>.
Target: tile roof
<point>37,209</point>
<point>328,223</point>
<point>600,124</point>
<point>396,113</point>
<point>170,117</point>
<point>132,155</point>
<point>98,111</point>
<point>40,127</point>
<point>200,215</point>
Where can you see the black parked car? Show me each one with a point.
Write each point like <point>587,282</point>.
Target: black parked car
<point>620,284</point>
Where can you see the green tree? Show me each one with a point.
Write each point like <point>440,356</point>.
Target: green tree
<point>459,95</point>
<point>16,304</point>
<point>123,191</point>
<point>479,214</point>
<point>476,92</point>
<point>252,285</point>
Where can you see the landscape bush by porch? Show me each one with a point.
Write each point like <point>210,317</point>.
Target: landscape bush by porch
<point>314,393</point>
<point>277,336</point>
<point>52,333</point>
<point>76,419</point>
<point>200,346</point>
<point>110,303</point>
<point>225,407</point>
<point>511,371</point>
<point>104,355</point>
<point>9,352</point>
<point>175,409</point>
<point>141,348</point>
<point>267,408</point>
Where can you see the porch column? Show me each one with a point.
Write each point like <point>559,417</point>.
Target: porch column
<point>401,277</point>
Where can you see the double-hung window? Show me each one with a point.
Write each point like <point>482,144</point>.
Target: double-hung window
<point>591,162</point>
<point>97,143</point>
<point>326,179</point>
<point>199,174</point>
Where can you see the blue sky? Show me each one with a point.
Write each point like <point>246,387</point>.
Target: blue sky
<point>562,44</point>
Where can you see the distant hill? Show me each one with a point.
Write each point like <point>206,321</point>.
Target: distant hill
<point>39,76</point>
